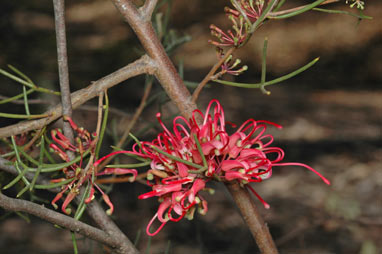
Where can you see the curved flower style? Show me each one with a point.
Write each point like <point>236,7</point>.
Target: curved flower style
<point>246,12</point>
<point>75,175</point>
<point>229,66</point>
<point>199,150</point>
<point>231,38</point>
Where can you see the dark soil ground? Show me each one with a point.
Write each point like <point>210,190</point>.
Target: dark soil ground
<point>331,114</point>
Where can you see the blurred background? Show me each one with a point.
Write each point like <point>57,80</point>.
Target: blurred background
<point>331,114</point>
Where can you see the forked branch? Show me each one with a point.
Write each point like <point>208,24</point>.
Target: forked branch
<point>177,91</point>
<point>144,65</point>
<point>18,205</point>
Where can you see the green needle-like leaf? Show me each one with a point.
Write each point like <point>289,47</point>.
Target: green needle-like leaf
<point>263,16</point>
<point>361,16</point>
<point>59,166</point>
<point>27,83</point>
<point>103,126</point>
<point>272,82</point>
<point>18,72</point>
<point>18,160</point>
<point>16,97</point>
<point>136,165</point>
<point>299,11</point>
<point>26,105</point>
<point>81,206</point>
<point>205,164</point>
<point>176,158</point>
<point>53,185</point>
<point>264,67</point>
<point>42,150</point>
<point>20,116</point>
<point>74,241</point>
<point>137,141</point>
<point>22,191</point>
<point>16,179</point>
<point>279,5</point>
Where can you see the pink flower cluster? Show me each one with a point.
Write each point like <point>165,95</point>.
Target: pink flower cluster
<point>229,66</point>
<point>199,150</point>
<point>75,174</point>
<point>246,12</point>
<point>231,38</point>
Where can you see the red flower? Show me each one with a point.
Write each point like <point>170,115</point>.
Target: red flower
<point>78,175</point>
<point>184,160</point>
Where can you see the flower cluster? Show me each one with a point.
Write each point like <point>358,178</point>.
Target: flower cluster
<point>200,150</point>
<point>230,38</point>
<point>75,174</point>
<point>360,4</point>
<point>229,66</point>
<point>246,12</point>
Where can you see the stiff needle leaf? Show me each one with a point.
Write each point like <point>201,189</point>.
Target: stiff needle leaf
<point>27,83</point>
<point>176,158</point>
<point>271,82</point>
<point>299,10</point>
<point>20,116</point>
<point>360,16</point>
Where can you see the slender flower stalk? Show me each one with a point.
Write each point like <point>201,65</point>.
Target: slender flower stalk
<point>230,66</point>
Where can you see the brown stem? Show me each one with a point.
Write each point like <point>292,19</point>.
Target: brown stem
<point>97,213</point>
<point>176,90</point>
<point>95,210</point>
<point>148,8</point>
<point>141,66</point>
<point>63,73</point>
<point>207,78</point>
<point>36,136</point>
<point>19,205</point>
<point>122,244</point>
<point>165,72</point>
<point>252,218</point>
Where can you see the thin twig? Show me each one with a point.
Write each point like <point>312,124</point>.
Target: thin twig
<point>165,72</point>
<point>178,93</point>
<point>19,205</point>
<point>63,73</point>
<point>140,66</point>
<point>148,8</point>
<point>99,116</point>
<point>95,211</point>
<point>210,74</point>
